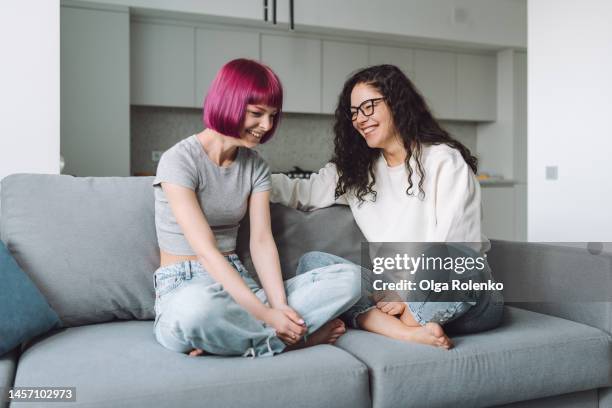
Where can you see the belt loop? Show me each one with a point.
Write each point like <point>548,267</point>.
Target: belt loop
<point>188,270</point>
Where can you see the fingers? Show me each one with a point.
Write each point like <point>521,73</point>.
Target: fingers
<point>297,329</point>
<point>289,340</point>
<point>294,316</point>
<point>297,325</point>
<point>288,337</point>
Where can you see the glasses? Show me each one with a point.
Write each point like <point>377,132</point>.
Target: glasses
<point>366,107</point>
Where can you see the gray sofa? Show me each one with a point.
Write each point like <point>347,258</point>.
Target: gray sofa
<point>89,244</point>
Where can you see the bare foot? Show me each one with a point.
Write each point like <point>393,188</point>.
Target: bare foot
<point>329,333</point>
<point>431,334</point>
<point>196,352</point>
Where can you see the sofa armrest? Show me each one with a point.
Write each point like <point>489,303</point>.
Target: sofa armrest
<point>560,281</point>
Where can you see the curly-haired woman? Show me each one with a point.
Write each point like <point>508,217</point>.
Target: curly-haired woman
<point>206,301</point>
<point>405,179</point>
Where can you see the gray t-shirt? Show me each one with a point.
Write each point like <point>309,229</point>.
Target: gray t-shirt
<point>222,192</point>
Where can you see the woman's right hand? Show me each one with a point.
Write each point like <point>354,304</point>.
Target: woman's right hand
<point>287,324</point>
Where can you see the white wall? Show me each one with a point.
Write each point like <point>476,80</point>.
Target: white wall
<point>29,80</point>
<point>497,23</point>
<point>570,102</point>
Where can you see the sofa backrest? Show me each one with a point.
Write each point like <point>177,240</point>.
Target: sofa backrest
<point>90,246</point>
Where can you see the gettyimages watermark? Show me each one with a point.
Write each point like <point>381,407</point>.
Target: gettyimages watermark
<point>453,272</point>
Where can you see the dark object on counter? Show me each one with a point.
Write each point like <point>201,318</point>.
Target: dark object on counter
<point>298,173</point>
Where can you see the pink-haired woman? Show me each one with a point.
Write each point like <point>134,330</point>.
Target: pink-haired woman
<point>205,299</point>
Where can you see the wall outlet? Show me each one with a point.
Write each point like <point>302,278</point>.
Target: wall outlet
<point>156,155</point>
<point>552,173</point>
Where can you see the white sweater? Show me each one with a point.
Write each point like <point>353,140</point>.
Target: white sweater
<point>450,212</point>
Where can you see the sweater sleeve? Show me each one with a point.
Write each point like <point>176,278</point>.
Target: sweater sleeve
<point>307,194</point>
<point>457,201</point>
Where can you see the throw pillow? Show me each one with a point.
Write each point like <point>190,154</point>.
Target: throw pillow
<point>25,312</point>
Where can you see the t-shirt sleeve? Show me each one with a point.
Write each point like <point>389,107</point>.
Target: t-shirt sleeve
<point>261,175</point>
<point>177,167</point>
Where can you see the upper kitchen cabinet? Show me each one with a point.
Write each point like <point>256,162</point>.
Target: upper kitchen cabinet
<point>94,90</point>
<point>216,47</point>
<point>476,87</point>
<point>434,76</point>
<point>162,64</point>
<point>297,61</point>
<point>403,58</point>
<point>340,59</point>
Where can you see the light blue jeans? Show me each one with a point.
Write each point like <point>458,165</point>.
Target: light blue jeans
<point>192,310</point>
<point>461,317</point>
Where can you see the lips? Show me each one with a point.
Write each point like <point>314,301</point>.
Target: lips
<point>367,130</point>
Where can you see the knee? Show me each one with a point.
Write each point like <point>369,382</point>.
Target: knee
<point>317,259</point>
<point>193,311</point>
<point>313,256</point>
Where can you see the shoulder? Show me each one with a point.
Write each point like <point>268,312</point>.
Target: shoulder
<point>185,149</point>
<point>443,156</point>
<point>253,159</point>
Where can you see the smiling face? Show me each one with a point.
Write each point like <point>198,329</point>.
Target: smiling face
<point>258,120</point>
<point>378,129</point>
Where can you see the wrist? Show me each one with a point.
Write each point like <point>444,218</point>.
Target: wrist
<point>262,313</point>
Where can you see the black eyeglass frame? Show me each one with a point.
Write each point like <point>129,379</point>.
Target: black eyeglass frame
<point>354,114</point>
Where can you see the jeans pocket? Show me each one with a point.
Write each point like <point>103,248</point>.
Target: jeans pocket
<point>166,283</point>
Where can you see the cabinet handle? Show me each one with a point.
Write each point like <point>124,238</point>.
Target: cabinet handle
<point>265,10</point>
<point>291,25</point>
<point>274,12</point>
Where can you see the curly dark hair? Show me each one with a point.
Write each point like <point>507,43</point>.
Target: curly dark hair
<point>354,159</point>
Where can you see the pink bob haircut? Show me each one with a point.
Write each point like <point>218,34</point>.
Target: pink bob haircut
<point>238,83</point>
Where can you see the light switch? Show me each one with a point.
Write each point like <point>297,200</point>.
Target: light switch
<point>156,155</point>
<point>552,173</point>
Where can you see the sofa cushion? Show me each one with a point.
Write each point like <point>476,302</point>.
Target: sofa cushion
<point>121,364</point>
<point>89,244</point>
<point>8,362</point>
<point>25,312</point>
<point>529,356</point>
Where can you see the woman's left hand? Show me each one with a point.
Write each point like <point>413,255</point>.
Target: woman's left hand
<point>295,318</point>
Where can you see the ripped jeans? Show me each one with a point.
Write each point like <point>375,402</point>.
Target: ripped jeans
<point>457,317</point>
<point>192,310</point>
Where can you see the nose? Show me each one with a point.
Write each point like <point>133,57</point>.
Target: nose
<point>266,122</point>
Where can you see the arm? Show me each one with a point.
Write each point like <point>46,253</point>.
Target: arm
<point>263,249</point>
<point>457,200</point>
<point>265,257</point>
<point>307,194</point>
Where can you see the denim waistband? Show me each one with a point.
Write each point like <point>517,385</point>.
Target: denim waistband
<point>187,269</point>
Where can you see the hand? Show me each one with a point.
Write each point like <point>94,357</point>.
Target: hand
<point>391,308</point>
<point>289,325</point>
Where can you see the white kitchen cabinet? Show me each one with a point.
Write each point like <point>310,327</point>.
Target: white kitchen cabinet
<point>476,87</point>
<point>162,64</point>
<point>498,212</point>
<point>403,58</point>
<point>340,59</point>
<point>435,78</point>
<point>213,48</point>
<point>297,61</point>
<point>94,91</point>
